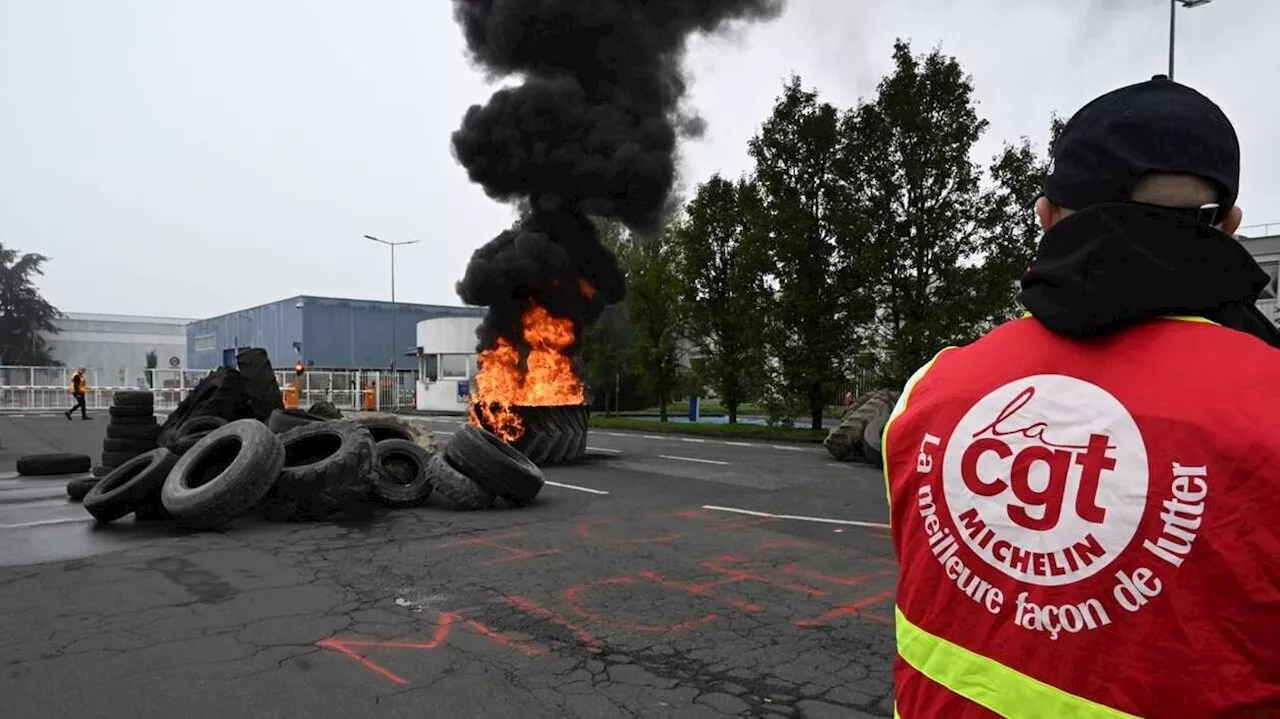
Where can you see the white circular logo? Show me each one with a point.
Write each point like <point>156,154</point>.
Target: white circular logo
<point>1046,479</point>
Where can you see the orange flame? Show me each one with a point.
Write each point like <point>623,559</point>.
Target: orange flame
<point>547,379</point>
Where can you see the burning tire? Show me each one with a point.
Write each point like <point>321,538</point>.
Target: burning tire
<point>552,435</point>
<point>482,456</point>
<point>461,491</point>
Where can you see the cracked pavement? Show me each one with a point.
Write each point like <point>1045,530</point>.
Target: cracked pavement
<point>634,603</point>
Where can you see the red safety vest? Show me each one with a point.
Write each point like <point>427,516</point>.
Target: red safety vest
<point>1089,528</point>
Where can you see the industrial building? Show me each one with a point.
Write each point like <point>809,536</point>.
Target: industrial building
<point>116,346</point>
<point>325,333</point>
<point>446,363</point>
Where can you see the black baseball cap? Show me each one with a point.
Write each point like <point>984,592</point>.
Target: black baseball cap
<point>1153,126</point>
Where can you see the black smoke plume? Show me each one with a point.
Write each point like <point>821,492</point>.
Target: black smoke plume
<point>591,131</point>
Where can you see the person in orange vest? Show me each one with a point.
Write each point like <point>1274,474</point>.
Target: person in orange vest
<point>1084,502</point>
<point>79,388</point>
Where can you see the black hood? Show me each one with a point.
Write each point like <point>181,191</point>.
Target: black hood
<point>1111,265</point>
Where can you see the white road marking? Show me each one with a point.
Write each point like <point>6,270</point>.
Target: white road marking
<point>784,447</point>
<point>797,517</point>
<point>445,434</point>
<point>604,449</point>
<point>741,444</point>
<point>694,459</point>
<point>691,439</point>
<point>576,487</point>
<point>651,436</point>
<point>841,465</point>
<point>46,522</point>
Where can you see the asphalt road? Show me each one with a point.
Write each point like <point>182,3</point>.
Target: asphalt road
<point>619,594</point>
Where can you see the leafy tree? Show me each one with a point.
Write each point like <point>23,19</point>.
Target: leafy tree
<point>802,170</point>
<point>722,246</point>
<point>945,270</point>
<point>24,313</point>
<point>655,311</point>
<point>1017,174</point>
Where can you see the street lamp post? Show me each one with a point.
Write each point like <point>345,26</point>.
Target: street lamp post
<point>393,246</point>
<point>1173,20</point>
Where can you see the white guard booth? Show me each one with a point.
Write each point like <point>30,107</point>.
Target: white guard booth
<point>446,363</point>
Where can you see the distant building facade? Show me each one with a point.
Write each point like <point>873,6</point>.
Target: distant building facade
<point>325,333</point>
<point>116,346</point>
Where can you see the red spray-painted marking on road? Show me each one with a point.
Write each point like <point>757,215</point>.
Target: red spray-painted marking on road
<point>719,565</point>
<point>704,590</point>
<point>586,530</point>
<point>853,609</point>
<point>533,608</point>
<point>444,626</point>
<point>571,598</point>
<point>514,553</point>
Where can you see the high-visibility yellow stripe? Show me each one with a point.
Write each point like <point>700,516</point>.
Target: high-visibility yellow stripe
<point>1191,318</point>
<point>984,681</point>
<point>898,409</point>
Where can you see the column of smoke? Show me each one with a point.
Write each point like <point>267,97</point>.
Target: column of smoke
<point>590,132</point>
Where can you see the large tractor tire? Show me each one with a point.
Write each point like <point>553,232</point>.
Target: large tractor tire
<point>553,435</point>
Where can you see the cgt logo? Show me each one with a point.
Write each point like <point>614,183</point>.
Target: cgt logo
<point>1046,479</point>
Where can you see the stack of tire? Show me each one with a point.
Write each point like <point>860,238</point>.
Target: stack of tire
<point>131,431</point>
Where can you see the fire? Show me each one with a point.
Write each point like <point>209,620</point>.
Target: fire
<point>547,378</point>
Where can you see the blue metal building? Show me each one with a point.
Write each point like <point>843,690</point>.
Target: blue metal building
<point>326,333</point>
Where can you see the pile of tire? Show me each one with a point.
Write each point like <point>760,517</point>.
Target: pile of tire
<point>297,467</point>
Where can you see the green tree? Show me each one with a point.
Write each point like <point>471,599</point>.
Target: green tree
<point>24,313</point>
<point>944,268</point>
<point>655,311</point>
<point>802,170</point>
<point>1013,233</point>
<point>722,247</point>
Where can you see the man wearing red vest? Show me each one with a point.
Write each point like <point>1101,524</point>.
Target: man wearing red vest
<point>1086,502</point>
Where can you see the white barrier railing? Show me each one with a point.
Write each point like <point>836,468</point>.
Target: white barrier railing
<point>47,389</point>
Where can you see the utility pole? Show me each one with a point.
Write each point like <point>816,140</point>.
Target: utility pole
<point>1173,22</point>
<point>393,246</point>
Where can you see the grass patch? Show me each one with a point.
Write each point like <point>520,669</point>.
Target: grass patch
<point>726,431</point>
<point>712,407</point>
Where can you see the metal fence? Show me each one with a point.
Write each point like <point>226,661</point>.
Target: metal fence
<point>48,388</point>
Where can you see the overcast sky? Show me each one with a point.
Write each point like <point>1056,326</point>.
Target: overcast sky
<point>186,158</point>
